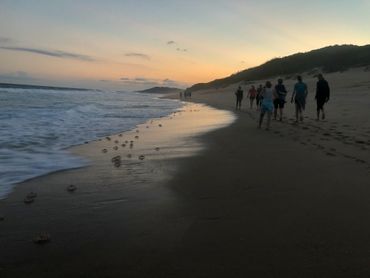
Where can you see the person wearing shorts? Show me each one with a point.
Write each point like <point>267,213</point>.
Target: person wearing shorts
<point>299,97</point>
<point>252,94</point>
<point>279,101</point>
<point>322,95</point>
<point>239,98</point>
<point>267,105</point>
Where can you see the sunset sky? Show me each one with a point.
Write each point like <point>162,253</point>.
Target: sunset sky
<point>128,45</point>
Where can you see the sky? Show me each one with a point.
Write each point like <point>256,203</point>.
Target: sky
<point>132,45</point>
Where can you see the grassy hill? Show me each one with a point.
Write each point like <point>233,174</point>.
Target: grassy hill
<point>327,59</point>
<point>161,90</point>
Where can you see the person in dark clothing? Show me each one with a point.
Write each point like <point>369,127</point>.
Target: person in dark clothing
<point>322,95</point>
<point>259,96</point>
<point>239,98</point>
<point>279,101</point>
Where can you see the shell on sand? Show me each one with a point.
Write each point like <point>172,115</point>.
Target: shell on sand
<point>42,238</point>
<point>71,188</point>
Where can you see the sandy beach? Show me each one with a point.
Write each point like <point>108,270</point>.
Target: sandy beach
<point>219,198</point>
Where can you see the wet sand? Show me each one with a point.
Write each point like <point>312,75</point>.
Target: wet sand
<point>289,202</point>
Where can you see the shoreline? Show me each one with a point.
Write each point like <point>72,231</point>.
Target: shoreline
<point>289,202</point>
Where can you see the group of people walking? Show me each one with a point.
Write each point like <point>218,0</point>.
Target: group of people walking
<point>271,100</point>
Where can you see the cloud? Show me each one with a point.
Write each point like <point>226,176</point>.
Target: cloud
<point>52,53</point>
<point>171,42</point>
<point>138,55</point>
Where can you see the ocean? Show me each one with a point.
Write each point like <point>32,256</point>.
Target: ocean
<point>38,124</point>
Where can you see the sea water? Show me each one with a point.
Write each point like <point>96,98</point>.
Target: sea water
<point>38,124</point>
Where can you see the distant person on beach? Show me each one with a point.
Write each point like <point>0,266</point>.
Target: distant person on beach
<point>299,97</point>
<point>252,93</point>
<point>239,98</point>
<point>267,105</point>
<point>279,101</point>
<point>322,95</point>
<point>180,95</point>
<point>258,96</point>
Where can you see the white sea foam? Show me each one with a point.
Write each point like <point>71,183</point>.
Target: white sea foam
<point>37,125</point>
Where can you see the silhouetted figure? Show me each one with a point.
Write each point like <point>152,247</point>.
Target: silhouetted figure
<point>258,96</point>
<point>239,98</point>
<point>180,95</point>
<point>299,96</point>
<point>267,105</point>
<point>322,95</point>
<point>279,101</point>
<point>252,94</point>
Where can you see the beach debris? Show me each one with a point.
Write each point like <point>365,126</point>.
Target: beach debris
<point>157,149</point>
<point>104,150</point>
<point>71,188</point>
<point>136,137</point>
<point>142,157</point>
<point>115,148</point>
<point>42,238</point>
<point>129,155</point>
<point>28,200</point>
<point>160,125</point>
<point>108,138</point>
<point>117,161</point>
<point>116,158</point>
<point>123,145</point>
<point>116,141</point>
<point>32,195</point>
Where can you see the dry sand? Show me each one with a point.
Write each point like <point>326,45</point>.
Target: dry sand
<point>290,202</point>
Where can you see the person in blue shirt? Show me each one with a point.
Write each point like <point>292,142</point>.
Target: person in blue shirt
<point>299,97</point>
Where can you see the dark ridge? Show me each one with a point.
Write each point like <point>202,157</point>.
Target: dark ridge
<point>25,86</point>
<point>161,90</point>
<point>328,59</point>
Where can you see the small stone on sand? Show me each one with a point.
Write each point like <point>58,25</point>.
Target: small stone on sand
<point>71,188</point>
<point>42,238</point>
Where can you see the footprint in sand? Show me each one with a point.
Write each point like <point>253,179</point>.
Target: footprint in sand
<point>123,145</point>
<point>115,148</point>
<point>116,142</point>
